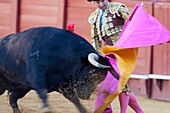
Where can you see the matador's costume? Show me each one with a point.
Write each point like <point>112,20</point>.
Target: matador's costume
<point>108,23</point>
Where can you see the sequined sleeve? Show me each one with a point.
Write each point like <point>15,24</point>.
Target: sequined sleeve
<point>125,13</point>
<point>96,43</point>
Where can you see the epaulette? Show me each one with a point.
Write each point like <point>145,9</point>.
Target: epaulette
<point>93,17</point>
<point>114,7</point>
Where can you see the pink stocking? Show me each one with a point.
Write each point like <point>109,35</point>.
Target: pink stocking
<point>124,100</point>
<point>134,104</point>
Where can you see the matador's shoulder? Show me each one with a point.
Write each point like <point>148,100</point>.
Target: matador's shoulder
<point>114,7</point>
<point>93,17</point>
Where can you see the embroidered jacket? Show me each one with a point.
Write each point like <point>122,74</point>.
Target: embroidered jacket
<point>110,25</point>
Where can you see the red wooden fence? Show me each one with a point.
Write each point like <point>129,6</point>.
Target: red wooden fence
<point>34,13</point>
<point>8,16</point>
<point>161,55</point>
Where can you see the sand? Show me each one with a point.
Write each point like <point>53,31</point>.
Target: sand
<point>32,104</point>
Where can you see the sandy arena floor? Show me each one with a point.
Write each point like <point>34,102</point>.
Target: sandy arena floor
<point>32,104</point>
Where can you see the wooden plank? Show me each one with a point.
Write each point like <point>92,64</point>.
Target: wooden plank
<point>61,14</point>
<point>161,59</point>
<point>28,21</point>
<point>139,89</point>
<point>162,13</point>
<point>5,8</point>
<point>14,16</point>
<point>78,13</point>
<point>41,2</point>
<point>80,4</point>
<point>145,0</point>
<point>5,1</point>
<point>157,60</point>
<point>168,17</point>
<point>42,13</point>
<point>41,10</point>
<point>165,59</point>
<point>38,20</point>
<point>163,0</point>
<point>165,16</point>
<point>143,61</point>
<point>4,30</point>
<point>5,20</point>
<point>161,94</point>
<point>168,47</point>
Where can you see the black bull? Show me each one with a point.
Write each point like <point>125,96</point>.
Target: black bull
<point>49,59</point>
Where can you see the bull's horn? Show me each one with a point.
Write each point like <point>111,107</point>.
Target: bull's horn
<point>93,58</point>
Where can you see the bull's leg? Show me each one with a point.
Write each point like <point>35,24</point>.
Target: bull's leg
<point>70,95</point>
<point>36,76</point>
<point>42,92</point>
<point>14,96</point>
<point>43,95</point>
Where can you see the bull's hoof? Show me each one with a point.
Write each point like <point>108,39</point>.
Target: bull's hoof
<point>16,110</point>
<point>46,110</point>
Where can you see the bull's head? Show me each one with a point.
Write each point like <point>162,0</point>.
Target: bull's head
<point>94,74</point>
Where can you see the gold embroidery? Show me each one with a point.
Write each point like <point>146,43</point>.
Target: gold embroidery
<point>92,18</point>
<point>108,32</point>
<point>111,25</point>
<point>104,19</point>
<point>113,31</point>
<point>114,15</point>
<point>116,29</point>
<point>113,9</point>
<point>109,18</point>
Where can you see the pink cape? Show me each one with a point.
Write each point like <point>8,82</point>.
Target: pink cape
<point>141,30</point>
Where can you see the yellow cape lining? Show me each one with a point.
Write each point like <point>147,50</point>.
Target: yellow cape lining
<point>126,60</point>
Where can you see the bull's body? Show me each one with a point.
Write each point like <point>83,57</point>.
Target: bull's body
<point>48,59</point>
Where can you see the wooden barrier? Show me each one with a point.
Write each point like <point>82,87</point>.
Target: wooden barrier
<point>8,17</point>
<point>161,55</point>
<point>41,13</point>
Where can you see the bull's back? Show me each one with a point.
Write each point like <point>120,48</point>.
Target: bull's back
<point>46,46</point>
